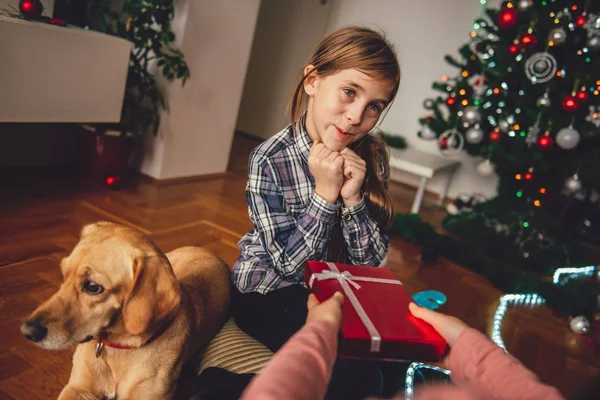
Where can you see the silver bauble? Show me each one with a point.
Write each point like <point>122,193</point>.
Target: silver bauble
<point>580,325</point>
<point>573,184</point>
<point>558,35</point>
<point>485,168</point>
<point>594,43</point>
<point>427,133</point>
<point>471,115</point>
<point>474,135</point>
<point>524,4</point>
<point>567,138</point>
<point>544,101</point>
<point>503,125</point>
<point>428,104</point>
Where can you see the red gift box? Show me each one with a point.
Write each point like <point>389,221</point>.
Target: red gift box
<point>390,331</point>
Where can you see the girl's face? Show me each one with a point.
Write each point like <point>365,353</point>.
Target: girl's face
<point>343,107</point>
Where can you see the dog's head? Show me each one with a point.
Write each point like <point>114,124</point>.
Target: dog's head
<point>114,274</point>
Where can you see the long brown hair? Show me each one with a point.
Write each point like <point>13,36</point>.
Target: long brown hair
<point>361,48</point>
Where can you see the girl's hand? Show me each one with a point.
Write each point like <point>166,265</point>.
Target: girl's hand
<point>330,310</point>
<point>326,167</point>
<point>355,169</point>
<point>448,327</point>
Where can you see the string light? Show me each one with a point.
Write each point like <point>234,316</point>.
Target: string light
<point>574,272</point>
<point>462,92</point>
<point>537,203</point>
<point>410,376</point>
<point>518,177</point>
<point>505,301</point>
<point>543,190</point>
<point>525,224</point>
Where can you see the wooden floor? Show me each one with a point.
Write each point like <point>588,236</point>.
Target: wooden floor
<point>40,219</point>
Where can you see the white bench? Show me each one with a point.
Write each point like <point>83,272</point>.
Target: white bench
<point>425,165</point>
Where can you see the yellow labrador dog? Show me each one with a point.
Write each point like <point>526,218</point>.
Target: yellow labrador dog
<point>137,314</point>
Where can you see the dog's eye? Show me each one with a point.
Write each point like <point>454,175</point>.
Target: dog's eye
<point>92,287</point>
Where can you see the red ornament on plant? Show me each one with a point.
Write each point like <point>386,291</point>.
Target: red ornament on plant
<point>507,18</point>
<point>528,39</point>
<point>495,136</point>
<point>570,104</point>
<point>32,9</point>
<point>582,95</point>
<point>545,142</point>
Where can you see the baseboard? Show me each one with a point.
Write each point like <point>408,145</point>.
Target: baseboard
<point>429,194</point>
<point>186,179</point>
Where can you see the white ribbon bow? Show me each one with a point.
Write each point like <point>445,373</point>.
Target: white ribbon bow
<point>346,279</point>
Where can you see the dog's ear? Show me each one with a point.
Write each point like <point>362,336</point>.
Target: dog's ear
<point>154,295</point>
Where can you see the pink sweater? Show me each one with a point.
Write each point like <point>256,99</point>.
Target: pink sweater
<point>480,370</point>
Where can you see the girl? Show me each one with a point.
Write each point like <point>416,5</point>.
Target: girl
<point>317,191</point>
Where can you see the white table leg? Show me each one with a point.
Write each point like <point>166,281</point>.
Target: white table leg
<point>444,193</point>
<point>419,196</point>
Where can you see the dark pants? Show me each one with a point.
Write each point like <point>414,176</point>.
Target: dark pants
<point>273,318</point>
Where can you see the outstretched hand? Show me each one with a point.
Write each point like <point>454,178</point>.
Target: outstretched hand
<point>329,310</point>
<point>447,326</point>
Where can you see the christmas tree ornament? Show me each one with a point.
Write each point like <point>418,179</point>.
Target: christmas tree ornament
<point>451,143</point>
<point>451,100</point>
<point>495,136</point>
<point>31,9</point>
<point>504,125</point>
<point>478,85</point>
<point>567,138</point>
<point>573,184</point>
<point>471,115</point>
<point>507,18</point>
<point>580,21</point>
<point>569,103</point>
<point>594,43</point>
<point>582,96</point>
<point>513,49</point>
<point>594,116</point>
<point>545,142</point>
<point>474,135</point>
<point>580,325</point>
<point>485,168</point>
<point>558,35</point>
<point>427,133</point>
<point>523,5</point>
<point>428,104</point>
<point>540,67</point>
<point>528,40</point>
<point>544,101</point>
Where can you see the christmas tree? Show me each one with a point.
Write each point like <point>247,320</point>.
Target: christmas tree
<point>526,101</point>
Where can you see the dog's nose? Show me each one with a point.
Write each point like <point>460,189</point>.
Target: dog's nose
<point>33,330</point>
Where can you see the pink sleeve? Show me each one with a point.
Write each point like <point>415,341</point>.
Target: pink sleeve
<point>301,369</point>
<point>486,371</point>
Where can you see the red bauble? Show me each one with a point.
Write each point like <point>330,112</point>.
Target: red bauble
<point>544,142</point>
<point>580,21</point>
<point>528,39</point>
<point>570,104</point>
<point>495,136</point>
<point>507,18</point>
<point>513,49</point>
<point>31,8</point>
<point>451,101</point>
<point>582,95</point>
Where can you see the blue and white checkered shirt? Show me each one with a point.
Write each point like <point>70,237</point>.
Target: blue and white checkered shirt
<point>292,223</point>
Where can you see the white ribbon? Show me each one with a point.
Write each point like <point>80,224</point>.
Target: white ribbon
<point>346,279</point>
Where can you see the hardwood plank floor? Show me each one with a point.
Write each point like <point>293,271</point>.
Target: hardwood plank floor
<point>41,216</point>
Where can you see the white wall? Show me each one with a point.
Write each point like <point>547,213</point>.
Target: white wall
<point>286,33</point>
<point>195,136</point>
<point>423,32</point>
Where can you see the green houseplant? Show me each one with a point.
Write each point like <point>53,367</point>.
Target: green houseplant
<point>147,25</point>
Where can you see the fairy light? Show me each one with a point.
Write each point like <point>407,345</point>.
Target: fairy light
<point>496,91</point>
<point>505,301</point>
<point>410,376</point>
<point>465,73</point>
<point>462,92</point>
<point>537,203</point>
<point>574,272</point>
<point>518,177</point>
<point>543,190</point>
<point>517,127</point>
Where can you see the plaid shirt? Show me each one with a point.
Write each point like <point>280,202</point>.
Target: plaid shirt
<point>292,223</point>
